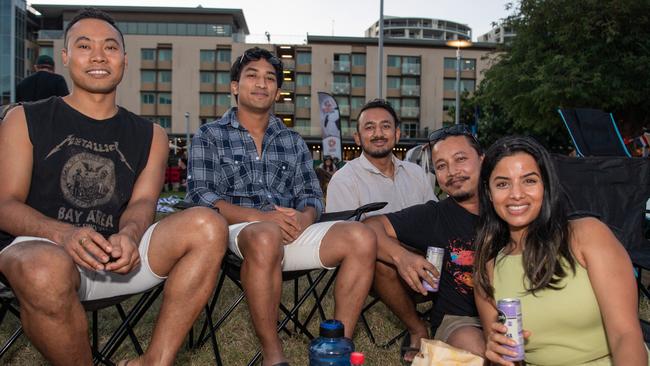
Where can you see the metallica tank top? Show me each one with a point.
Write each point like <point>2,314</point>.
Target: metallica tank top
<point>84,169</point>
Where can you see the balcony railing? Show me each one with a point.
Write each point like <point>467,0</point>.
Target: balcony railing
<point>410,112</point>
<point>341,88</point>
<point>410,69</point>
<point>411,90</point>
<point>341,66</point>
<point>284,108</point>
<point>344,110</point>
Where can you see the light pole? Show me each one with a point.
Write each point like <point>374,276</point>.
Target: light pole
<point>458,44</point>
<point>187,132</point>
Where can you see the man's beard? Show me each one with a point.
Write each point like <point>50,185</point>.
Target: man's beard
<point>378,154</point>
<point>461,196</point>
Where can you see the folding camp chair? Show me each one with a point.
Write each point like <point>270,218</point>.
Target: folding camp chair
<point>231,267</point>
<point>616,190</point>
<point>128,322</point>
<point>593,132</point>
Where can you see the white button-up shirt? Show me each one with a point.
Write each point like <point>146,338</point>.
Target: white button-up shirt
<point>359,182</point>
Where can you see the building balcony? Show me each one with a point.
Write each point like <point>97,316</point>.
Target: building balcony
<point>289,86</point>
<point>289,63</point>
<point>305,68</point>
<point>341,66</point>
<point>302,112</point>
<point>284,108</point>
<point>341,88</point>
<point>409,112</point>
<point>307,130</point>
<point>344,110</point>
<point>410,90</point>
<point>410,69</point>
<point>303,89</point>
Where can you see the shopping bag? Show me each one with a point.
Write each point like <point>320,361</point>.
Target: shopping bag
<point>437,353</point>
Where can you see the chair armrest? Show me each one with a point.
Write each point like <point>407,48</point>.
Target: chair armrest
<point>346,215</point>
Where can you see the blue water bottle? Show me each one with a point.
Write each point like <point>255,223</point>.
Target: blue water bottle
<point>331,348</point>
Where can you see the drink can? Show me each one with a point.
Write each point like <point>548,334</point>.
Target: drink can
<point>510,316</point>
<point>435,256</point>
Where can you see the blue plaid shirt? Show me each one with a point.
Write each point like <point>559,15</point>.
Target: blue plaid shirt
<point>224,165</point>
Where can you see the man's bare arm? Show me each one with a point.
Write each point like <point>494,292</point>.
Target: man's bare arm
<point>17,218</point>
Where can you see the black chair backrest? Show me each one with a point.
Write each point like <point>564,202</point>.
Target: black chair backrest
<point>613,188</point>
<point>594,132</point>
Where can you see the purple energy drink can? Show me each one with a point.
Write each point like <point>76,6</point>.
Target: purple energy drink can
<point>435,255</point>
<point>510,316</point>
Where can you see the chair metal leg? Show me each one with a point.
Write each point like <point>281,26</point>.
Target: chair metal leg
<point>10,342</point>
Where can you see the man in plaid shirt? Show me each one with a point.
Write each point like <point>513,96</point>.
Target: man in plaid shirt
<point>260,175</point>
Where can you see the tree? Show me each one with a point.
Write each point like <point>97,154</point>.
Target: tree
<point>569,54</point>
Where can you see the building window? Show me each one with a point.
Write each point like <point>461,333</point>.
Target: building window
<point>208,55</point>
<point>164,121</point>
<point>148,98</point>
<point>392,82</point>
<point>303,80</point>
<point>223,55</point>
<point>357,102</point>
<point>466,64</point>
<point>164,98</point>
<point>164,76</point>
<point>303,58</point>
<point>466,85</point>
<point>46,50</point>
<point>223,78</point>
<point>148,54</point>
<point>207,77</point>
<point>147,76</point>
<point>223,100</point>
<point>394,61</point>
<point>447,104</point>
<point>395,103</point>
<point>164,54</point>
<point>358,81</point>
<point>341,62</point>
<point>303,101</point>
<point>206,100</point>
<point>358,59</point>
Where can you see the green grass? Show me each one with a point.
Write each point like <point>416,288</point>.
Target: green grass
<point>236,339</point>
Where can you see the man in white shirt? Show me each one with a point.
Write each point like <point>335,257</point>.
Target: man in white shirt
<point>377,175</point>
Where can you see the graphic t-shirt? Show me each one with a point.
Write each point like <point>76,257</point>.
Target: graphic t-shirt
<point>84,169</point>
<point>445,225</point>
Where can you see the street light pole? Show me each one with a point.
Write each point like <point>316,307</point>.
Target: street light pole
<point>380,63</point>
<point>187,132</point>
<point>458,43</point>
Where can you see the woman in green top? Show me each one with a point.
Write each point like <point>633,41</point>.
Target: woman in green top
<point>573,277</point>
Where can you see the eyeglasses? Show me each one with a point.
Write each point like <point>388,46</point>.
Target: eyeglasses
<point>455,130</point>
<point>259,53</point>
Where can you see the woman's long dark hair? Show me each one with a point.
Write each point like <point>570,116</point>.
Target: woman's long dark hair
<point>546,242</point>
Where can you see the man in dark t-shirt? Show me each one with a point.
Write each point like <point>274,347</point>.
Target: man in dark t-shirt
<point>81,179</point>
<point>43,83</point>
<point>403,238</point>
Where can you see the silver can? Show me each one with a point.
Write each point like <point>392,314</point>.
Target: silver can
<point>435,256</point>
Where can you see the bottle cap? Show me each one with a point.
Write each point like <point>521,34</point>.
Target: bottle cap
<point>331,328</point>
<point>357,358</point>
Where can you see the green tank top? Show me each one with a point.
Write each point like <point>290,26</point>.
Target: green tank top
<point>566,325</point>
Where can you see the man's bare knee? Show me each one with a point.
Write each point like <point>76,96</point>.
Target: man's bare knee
<point>261,244</point>
<point>362,240</point>
<point>469,338</point>
<point>44,279</point>
<point>210,229</point>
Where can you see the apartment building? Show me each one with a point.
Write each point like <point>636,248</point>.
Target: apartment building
<point>179,62</point>
<point>420,28</point>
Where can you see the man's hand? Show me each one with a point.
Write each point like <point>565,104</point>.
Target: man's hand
<point>87,248</point>
<point>288,224</point>
<point>413,268</point>
<point>125,255</point>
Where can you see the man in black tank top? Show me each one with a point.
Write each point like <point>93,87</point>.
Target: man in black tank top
<point>82,178</point>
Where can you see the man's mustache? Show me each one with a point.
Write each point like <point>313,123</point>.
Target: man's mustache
<point>456,180</point>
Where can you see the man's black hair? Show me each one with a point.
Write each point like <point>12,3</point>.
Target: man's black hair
<point>92,13</point>
<point>254,54</point>
<point>383,104</point>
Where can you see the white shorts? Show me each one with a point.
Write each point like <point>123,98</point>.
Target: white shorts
<point>100,284</point>
<point>303,253</point>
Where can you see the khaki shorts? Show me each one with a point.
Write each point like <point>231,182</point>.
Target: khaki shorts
<point>100,284</point>
<point>450,323</point>
<point>303,253</point>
